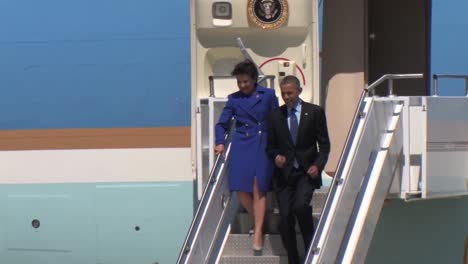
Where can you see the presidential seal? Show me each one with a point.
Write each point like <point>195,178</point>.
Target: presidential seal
<point>268,14</point>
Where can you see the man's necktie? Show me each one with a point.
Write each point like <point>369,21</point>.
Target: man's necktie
<point>293,127</point>
<point>293,124</point>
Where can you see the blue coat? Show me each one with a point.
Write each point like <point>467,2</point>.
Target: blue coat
<point>248,158</point>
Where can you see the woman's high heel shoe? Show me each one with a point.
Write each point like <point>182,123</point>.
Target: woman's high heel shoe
<point>257,251</point>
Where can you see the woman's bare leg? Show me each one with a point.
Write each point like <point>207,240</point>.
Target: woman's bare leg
<point>245,199</point>
<point>259,208</point>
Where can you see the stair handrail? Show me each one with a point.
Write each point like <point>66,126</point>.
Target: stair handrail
<point>205,198</point>
<point>435,81</point>
<point>260,80</point>
<point>390,78</point>
<point>345,153</point>
<point>336,180</point>
<point>246,54</point>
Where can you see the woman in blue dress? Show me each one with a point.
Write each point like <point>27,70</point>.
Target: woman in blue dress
<point>250,168</point>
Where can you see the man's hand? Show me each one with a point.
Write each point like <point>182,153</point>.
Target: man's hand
<point>313,171</point>
<point>280,161</point>
<point>219,149</point>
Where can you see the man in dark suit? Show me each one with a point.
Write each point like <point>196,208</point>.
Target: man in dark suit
<point>299,145</point>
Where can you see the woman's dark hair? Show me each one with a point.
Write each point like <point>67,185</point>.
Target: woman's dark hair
<point>246,67</point>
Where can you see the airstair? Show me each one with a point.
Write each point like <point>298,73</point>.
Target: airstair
<point>392,150</point>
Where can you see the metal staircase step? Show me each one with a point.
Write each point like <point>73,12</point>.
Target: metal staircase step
<point>318,200</point>
<point>254,260</point>
<point>241,244</point>
<point>238,248</point>
<point>244,223</point>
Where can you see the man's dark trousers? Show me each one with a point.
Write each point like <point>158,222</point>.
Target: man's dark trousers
<point>294,202</point>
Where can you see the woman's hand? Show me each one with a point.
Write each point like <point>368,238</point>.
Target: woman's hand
<point>219,149</point>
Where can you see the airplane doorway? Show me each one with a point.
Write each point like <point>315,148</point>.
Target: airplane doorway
<point>399,42</point>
